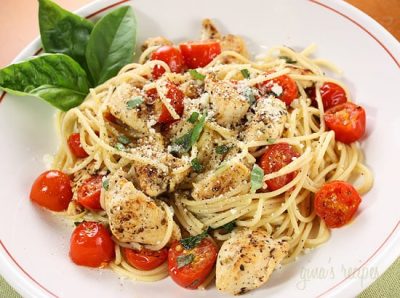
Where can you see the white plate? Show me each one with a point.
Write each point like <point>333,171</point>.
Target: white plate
<point>34,243</point>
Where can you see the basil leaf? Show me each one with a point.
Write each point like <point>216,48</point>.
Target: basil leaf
<point>270,141</point>
<point>245,73</point>
<point>134,103</point>
<point>123,140</point>
<point>185,142</point>
<point>196,165</point>
<point>250,96</point>
<point>256,178</point>
<point>191,242</point>
<point>196,75</point>
<point>222,149</point>
<point>63,32</point>
<point>288,59</point>
<point>184,260</point>
<point>105,184</point>
<point>193,118</point>
<point>228,227</point>
<point>120,147</point>
<point>111,44</point>
<point>56,78</point>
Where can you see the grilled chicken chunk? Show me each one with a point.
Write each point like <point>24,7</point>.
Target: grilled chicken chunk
<point>134,117</point>
<point>220,181</point>
<point>247,259</point>
<point>268,121</point>
<point>155,41</point>
<point>133,216</point>
<point>228,104</point>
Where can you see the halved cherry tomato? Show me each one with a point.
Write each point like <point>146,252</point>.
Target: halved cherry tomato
<point>91,245</point>
<point>288,85</point>
<point>331,94</point>
<point>170,55</point>
<point>145,259</point>
<point>199,54</point>
<point>276,157</point>
<point>74,143</point>
<point>52,190</point>
<point>347,121</point>
<point>176,96</point>
<point>89,193</point>
<point>336,203</point>
<point>195,272</point>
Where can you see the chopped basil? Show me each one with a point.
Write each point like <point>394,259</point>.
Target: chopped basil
<point>105,184</point>
<point>256,178</point>
<point>222,149</point>
<point>196,75</point>
<point>134,103</point>
<point>120,147</point>
<point>228,227</point>
<point>250,96</point>
<point>270,141</point>
<point>288,59</point>
<point>245,73</point>
<point>184,260</point>
<point>191,242</point>
<point>124,140</point>
<point>193,118</point>
<point>185,142</point>
<point>196,165</point>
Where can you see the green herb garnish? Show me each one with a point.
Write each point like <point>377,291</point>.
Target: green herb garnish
<point>193,118</point>
<point>271,141</point>
<point>250,96</point>
<point>105,184</point>
<point>256,178</point>
<point>245,73</point>
<point>222,149</point>
<point>191,242</point>
<point>184,260</point>
<point>134,103</point>
<point>120,147</point>
<point>123,140</point>
<point>228,227</point>
<point>288,60</point>
<point>196,165</point>
<point>196,75</point>
<point>185,142</point>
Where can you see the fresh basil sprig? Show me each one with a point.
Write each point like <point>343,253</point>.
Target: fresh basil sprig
<point>56,78</point>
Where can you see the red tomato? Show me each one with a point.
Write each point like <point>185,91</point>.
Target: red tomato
<point>331,95</point>
<point>193,274</point>
<point>336,203</point>
<point>89,192</point>
<point>347,121</point>
<point>199,54</point>
<point>52,190</point>
<point>176,96</point>
<point>91,245</point>
<point>74,143</point>
<point>276,157</point>
<point>170,55</point>
<point>289,88</point>
<point>145,259</point>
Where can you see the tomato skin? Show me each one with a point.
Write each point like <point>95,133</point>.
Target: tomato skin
<point>289,88</point>
<point>192,275</point>
<point>170,55</point>
<point>89,193</point>
<point>201,53</point>
<point>347,120</point>
<point>52,190</point>
<point>176,96</point>
<point>145,259</point>
<point>91,245</point>
<point>74,143</point>
<point>331,94</point>
<point>276,157</point>
<point>336,203</point>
